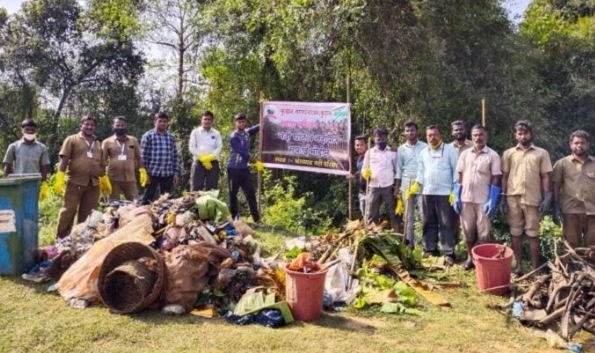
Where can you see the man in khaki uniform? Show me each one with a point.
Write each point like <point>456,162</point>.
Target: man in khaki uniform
<point>460,143</point>
<point>526,186</point>
<point>459,135</point>
<point>477,191</point>
<point>574,192</point>
<point>122,152</point>
<point>81,160</point>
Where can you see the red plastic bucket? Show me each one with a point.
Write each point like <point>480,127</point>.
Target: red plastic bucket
<point>303,292</point>
<point>493,274</point>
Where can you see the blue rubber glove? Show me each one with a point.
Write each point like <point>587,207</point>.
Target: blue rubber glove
<point>458,204</point>
<point>492,205</point>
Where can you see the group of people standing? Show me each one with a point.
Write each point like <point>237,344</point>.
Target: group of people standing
<point>87,166</point>
<point>461,185</point>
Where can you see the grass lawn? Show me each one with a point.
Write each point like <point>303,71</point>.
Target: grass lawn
<point>32,320</point>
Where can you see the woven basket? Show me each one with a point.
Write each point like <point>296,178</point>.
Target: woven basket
<point>127,285</point>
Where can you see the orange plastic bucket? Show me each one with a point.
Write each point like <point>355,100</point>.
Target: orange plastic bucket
<point>303,292</point>
<point>493,274</point>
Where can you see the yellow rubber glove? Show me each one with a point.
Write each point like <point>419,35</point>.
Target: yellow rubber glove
<point>412,190</point>
<point>259,166</point>
<point>60,183</point>
<point>143,177</point>
<point>367,173</point>
<point>451,198</point>
<point>206,160</point>
<point>170,218</point>
<point>105,186</point>
<point>400,209</point>
<point>44,190</point>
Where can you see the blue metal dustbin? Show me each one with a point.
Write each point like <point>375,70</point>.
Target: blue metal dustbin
<point>18,223</point>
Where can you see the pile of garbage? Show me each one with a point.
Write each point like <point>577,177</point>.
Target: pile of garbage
<point>175,254</point>
<point>374,269</point>
<point>560,292</point>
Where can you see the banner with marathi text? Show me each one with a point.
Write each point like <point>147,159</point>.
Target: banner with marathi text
<point>312,137</point>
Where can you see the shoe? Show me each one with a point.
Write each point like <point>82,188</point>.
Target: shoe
<point>517,273</point>
<point>434,253</point>
<point>468,265</point>
<point>449,260</point>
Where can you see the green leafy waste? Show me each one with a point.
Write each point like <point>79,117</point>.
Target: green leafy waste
<point>211,208</point>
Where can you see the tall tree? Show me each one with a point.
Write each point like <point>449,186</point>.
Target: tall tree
<point>56,46</point>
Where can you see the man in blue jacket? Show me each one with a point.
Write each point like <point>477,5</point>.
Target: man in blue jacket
<point>238,174</point>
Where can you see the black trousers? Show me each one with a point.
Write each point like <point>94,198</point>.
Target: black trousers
<point>202,179</point>
<point>165,185</point>
<point>240,178</point>
<point>438,218</point>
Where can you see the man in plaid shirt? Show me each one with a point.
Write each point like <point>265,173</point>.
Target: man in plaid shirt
<point>160,156</point>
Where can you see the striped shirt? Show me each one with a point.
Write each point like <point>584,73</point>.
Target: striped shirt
<point>160,153</point>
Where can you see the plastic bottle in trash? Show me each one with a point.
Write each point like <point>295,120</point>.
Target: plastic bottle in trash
<point>555,341</point>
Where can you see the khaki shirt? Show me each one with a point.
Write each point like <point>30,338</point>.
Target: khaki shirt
<point>460,148</point>
<point>82,170</point>
<point>577,184</point>
<point>524,168</point>
<point>477,169</point>
<point>122,157</point>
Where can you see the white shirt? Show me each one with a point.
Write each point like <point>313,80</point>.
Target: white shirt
<point>205,142</point>
<point>383,165</point>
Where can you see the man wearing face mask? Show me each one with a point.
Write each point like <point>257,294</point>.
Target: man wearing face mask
<point>574,192</point>
<point>459,135</point>
<point>122,153</point>
<point>27,155</point>
<point>526,191</point>
<point>436,174</point>
<point>380,169</point>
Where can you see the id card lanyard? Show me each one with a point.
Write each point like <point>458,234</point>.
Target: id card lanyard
<point>122,155</point>
<point>90,148</point>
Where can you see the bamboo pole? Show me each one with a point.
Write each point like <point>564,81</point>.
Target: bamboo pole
<point>483,112</point>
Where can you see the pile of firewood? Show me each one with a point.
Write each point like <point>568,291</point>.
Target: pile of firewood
<point>560,291</point>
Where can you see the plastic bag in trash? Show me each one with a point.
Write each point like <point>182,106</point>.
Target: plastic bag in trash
<point>266,317</point>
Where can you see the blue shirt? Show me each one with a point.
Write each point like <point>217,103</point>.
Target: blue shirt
<point>407,161</point>
<point>436,170</point>
<point>160,154</point>
<point>240,147</point>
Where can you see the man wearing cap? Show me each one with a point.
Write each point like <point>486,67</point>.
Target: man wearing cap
<point>81,162</point>
<point>526,191</point>
<point>477,191</point>
<point>436,174</point>
<point>238,174</point>
<point>459,135</point>
<point>380,169</point>
<point>407,160</point>
<point>122,152</point>
<point>159,153</point>
<point>574,192</point>
<point>205,146</point>
<point>27,155</point>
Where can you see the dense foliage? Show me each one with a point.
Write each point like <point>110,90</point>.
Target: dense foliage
<point>428,60</point>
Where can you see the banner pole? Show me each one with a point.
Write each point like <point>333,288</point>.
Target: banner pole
<point>259,174</point>
<point>350,190</point>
